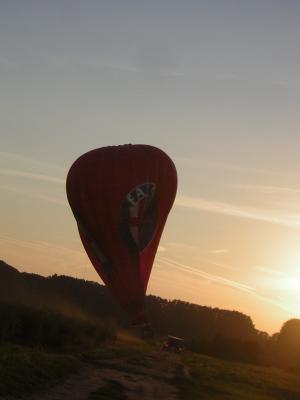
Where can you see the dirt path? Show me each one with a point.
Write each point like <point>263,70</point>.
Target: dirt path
<point>123,379</point>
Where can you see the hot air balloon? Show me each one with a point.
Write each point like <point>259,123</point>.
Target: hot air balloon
<point>120,197</point>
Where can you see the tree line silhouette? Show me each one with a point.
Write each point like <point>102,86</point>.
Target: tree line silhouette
<point>59,312</point>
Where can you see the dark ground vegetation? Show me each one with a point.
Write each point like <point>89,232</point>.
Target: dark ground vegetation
<point>52,328</point>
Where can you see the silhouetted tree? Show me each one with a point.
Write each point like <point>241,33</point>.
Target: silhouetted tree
<point>288,345</point>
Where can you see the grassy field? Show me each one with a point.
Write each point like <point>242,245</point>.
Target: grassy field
<point>201,377</point>
<point>24,369</point>
<point>195,377</point>
<point>28,369</point>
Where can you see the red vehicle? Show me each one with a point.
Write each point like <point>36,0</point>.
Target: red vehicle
<point>173,344</point>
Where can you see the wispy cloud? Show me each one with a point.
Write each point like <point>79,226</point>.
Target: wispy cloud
<point>150,69</point>
<point>168,72</point>
<point>279,303</point>
<point>266,189</point>
<point>30,169</point>
<point>184,246</point>
<point>7,156</point>
<point>217,264</point>
<point>40,245</point>
<point>63,259</point>
<point>73,63</point>
<point>284,81</point>
<point>196,163</point>
<point>205,275</point>
<point>273,300</point>
<point>274,217</point>
<point>53,200</point>
<point>33,195</point>
<point>31,175</point>
<point>269,271</point>
<point>219,251</point>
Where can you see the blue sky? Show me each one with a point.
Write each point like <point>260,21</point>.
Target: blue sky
<point>213,83</point>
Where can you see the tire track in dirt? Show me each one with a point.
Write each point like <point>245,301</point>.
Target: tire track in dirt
<point>134,378</point>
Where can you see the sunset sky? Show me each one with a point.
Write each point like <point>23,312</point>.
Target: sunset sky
<point>215,84</point>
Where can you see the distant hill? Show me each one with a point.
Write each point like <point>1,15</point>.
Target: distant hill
<point>222,333</point>
<point>63,294</point>
<point>71,296</point>
<point>7,269</point>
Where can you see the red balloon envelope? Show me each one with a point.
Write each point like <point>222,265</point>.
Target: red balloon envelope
<point>121,197</point>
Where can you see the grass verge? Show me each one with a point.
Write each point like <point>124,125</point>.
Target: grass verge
<point>209,378</point>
